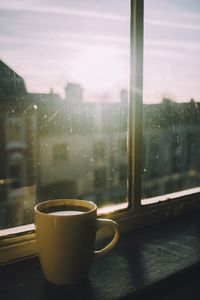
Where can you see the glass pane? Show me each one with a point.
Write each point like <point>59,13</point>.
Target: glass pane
<point>171,97</point>
<point>64,81</point>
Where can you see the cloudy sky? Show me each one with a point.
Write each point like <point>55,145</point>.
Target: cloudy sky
<point>52,42</point>
<point>172,50</point>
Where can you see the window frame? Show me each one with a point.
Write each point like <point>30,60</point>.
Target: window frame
<point>20,242</point>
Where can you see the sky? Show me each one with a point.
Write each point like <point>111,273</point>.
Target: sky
<point>52,42</point>
<point>172,50</point>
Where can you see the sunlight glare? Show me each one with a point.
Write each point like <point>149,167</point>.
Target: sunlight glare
<point>99,68</point>
<point>109,209</point>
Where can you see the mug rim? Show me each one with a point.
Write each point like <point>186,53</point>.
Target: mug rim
<point>65,201</point>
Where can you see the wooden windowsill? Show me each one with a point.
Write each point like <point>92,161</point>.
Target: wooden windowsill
<point>158,262</point>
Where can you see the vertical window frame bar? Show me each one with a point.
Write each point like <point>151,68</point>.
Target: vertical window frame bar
<point>135,137</point>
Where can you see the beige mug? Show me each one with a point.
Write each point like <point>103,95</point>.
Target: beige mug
<point>65,234</point>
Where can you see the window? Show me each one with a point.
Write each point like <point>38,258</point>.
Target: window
<point>99,150</point>
<point>64,82</point>
<point>59,152</point>
<point>171,98</point>
<point>77,91</point>
<point>100,177</point>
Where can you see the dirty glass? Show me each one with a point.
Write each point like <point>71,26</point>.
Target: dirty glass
<point>171,110</point>
<point>64,81</point>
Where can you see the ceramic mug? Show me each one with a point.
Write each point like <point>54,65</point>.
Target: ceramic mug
<point>65,234</point>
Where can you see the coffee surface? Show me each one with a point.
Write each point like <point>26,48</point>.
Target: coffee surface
<point>64,210</point>
<point>66,213</point>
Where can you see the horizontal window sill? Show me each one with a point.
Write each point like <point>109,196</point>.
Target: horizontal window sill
<point>160,262</point>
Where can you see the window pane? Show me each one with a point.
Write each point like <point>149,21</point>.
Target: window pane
<point>64,81</point>
<point>171,97</point>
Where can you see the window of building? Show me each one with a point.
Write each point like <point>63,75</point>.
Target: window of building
<point>123,146</point>
<point>100,177</point>
<point>59,152</point>
<point>99,150</point>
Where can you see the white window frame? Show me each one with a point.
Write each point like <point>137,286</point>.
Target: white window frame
<point>19,242</point>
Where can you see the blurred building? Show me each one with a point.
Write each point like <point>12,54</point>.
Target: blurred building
<point>18,148</point>
<point>73,148</point>
<point>82,159</point>
<point>171,157</point>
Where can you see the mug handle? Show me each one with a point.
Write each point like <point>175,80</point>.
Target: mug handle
<point>114,226</point>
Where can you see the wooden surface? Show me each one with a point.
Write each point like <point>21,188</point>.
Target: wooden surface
<point>159,262</point>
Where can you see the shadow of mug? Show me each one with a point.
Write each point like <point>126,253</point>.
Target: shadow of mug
<point>82,290</point>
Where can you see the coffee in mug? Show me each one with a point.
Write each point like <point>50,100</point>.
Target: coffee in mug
<point>65,234</point>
